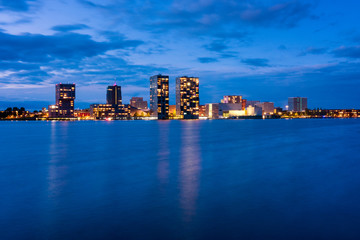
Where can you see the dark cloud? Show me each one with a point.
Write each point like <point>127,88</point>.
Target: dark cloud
<point>282,47</point>
<point>347,52</point>
<point>256,62</point>
<point>207,60</point>
<point>44,48</point>
<point>68,28</point>
<point>15,5</point>
<point>225,19</point>
<point>283,15</point>
<point>216,46</point>
<point>314,51</point>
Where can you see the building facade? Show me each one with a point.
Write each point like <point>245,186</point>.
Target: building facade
<point>212,110</point>
<point>234,99</point>
<point>112,111</point>
<point>297,104</point>
<point>226,108</point>
<point>138,102</point>
<point>159,96</point>
<point>251,103</point>
<point>113,95</point>
<point>64,98</point>
<point>267,107</point>
<point>187,97</point>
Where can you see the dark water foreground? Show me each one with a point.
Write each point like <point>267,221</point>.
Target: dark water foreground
<point>251,179</point>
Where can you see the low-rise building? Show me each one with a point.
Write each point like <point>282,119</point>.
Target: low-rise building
<point>113,111</point>
<point>253,111</point>
<point>212,110</point>
<point>267,107</point>
<point>138,102</point>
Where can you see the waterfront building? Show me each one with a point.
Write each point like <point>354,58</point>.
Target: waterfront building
<point>138,102</point>
<point>187,97</point>
<point>251,103</point>
<point>172,110</point>
<point>254,111</point>
<point>113,95</point>
<point>226,108</point>
<point>82,113</point>
<point>212,110</point>
<point>159,96</point>
<point>297,104</point>
<point>202,111</point>
<point>113,111</point>
<point>267,107</point>
<point>64,98</point>
<point>234,99</point>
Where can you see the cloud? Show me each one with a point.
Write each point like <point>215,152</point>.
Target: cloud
<point>314,51</point>
<point>256,62</point>
<point>16,5</point>
<point>44,48</point>
<point>347,52</point>
<point>216,46</point>
<point>220,19</point>
<point>68,28</point>
<point>207,60</point>
<point>283,15</point>
<point>282,47</point>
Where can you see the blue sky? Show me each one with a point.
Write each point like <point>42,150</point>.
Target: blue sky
<point>264,50</point>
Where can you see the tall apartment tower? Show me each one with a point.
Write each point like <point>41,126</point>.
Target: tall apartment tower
<point>159,96</point>
<point>64,98</point>
<point>113,95</point>
<point>297,104</point>
<point>187,97</point>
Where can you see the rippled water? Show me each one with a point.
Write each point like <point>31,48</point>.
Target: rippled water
<point>230,179</point>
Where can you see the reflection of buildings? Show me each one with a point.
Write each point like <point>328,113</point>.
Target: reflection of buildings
<point>64,107</point>
<point>297,104</point>
<point>113,108</point>
<point>159,96</point>
<point>187,97</point>
<point>164,151</point>
<point>190,168</point>
<point>138,102</point>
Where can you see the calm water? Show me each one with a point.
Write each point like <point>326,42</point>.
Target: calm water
<point>250,179</point>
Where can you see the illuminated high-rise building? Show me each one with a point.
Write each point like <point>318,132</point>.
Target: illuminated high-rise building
<point>159,96</point>
<point>113,109</point>
<point>297,104</point>
<point>64,98</point>
<point>187,97</point>
<point>113,95</point>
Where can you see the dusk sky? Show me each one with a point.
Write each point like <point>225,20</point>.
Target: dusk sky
<point>264,50</point>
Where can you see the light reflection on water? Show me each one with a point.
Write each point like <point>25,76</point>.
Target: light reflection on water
<point>261,179</point>
<point>189,168</point>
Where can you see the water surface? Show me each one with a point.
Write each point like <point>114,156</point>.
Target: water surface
<point>230,179</point>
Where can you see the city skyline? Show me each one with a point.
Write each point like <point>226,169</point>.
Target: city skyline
<point>260,50</point>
